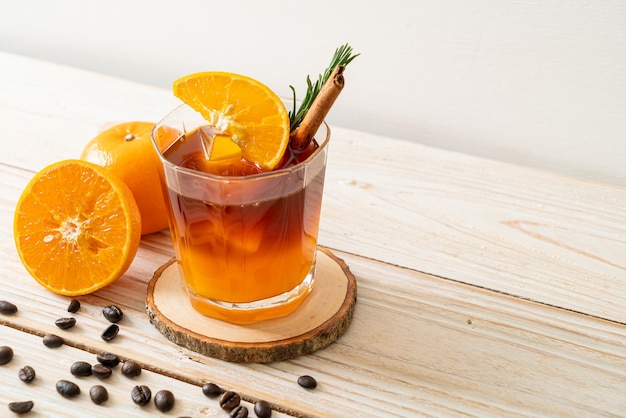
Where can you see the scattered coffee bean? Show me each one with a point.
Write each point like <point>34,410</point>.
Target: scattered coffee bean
<point>262,409</point>
<point>211,390</point>
<point>164,400</point>
<point>26,374</point>
<point>239,412</point>
<point>112,313</point>
<point>108,359</point>
<point>98,394</point>
<point>65,323</point>
<point>229,400</point>
<point>81,368</point>
<point>307,382</point>
<point>7,308</point>
<point>52,341</point>
<point>101,371</point>
<point>74,306</point>
<point>110,333</point>
<point>141,395</point>
<point>21,407</point>
<point>131,369</point>
<point>6,354</point>
<point>67,389</point>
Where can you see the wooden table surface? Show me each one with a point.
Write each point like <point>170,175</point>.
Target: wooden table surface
<point>484,289</point>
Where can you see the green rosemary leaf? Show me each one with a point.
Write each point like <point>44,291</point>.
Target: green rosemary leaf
<point>342,56</point>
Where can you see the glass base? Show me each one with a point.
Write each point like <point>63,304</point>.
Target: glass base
<point>260,310</point>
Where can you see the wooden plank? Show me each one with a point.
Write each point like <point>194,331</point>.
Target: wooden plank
<point>453,342</point>
<point>537,235</point>
<point>418,345</point>
<point>533,234</point>
<point>53,364</point>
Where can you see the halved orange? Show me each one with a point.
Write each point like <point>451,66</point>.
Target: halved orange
<point>77,227</point>
<point>244,109</point>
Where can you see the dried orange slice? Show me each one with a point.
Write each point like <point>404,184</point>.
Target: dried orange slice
<point>77,227</point>
<point>244,109</point>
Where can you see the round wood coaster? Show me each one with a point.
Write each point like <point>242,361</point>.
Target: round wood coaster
<point>323,316</point>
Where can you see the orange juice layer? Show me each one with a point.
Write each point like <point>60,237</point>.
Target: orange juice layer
<point>245,252</point>
<point>247,316</point>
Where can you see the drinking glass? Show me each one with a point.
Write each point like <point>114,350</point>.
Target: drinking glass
<point>245,245</point>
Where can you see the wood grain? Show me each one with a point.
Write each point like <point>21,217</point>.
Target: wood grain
<point>537,235</point>
<point>54,364</point>
<point>485,289</point>
<point>417,345</point>
<point>543,237</point>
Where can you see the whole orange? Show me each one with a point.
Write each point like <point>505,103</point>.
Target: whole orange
<point>126,150</point>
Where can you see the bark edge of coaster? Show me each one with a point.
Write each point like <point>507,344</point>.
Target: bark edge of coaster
<point>323,317</point>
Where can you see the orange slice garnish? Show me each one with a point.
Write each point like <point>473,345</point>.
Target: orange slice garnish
<point>77,227</point>
<point>244,109</point>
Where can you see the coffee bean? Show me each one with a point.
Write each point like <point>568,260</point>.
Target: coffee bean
<point>307,382</point>
<point>98,394</point>
<point>164,400</point>
<point>262,409</point>
<point>101,371</point>
<point>239,412</point>
<point>52,341</point>
<point>65,323</point>
<point>7,308</point>
<point>141,395</point>
<point>110,333</point>
<point>108,359</point>
<point>67,389</point>
<point>21,407</point>
<point>74,306</point>
<point>229,400</point>
<point>112,313</point>
<point>211,390</point>
<point>131,369</point>
<point>81,368</point>
<point>26,374</point>
<point>6,354</point>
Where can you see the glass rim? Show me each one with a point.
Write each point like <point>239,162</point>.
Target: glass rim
<point>265,174</point>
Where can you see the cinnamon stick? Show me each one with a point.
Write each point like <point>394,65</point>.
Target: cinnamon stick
<point>302,136</point>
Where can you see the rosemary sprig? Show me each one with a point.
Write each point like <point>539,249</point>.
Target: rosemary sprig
<point>343,56</point>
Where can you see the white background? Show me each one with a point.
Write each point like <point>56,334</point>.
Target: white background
<point>539,83</point>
